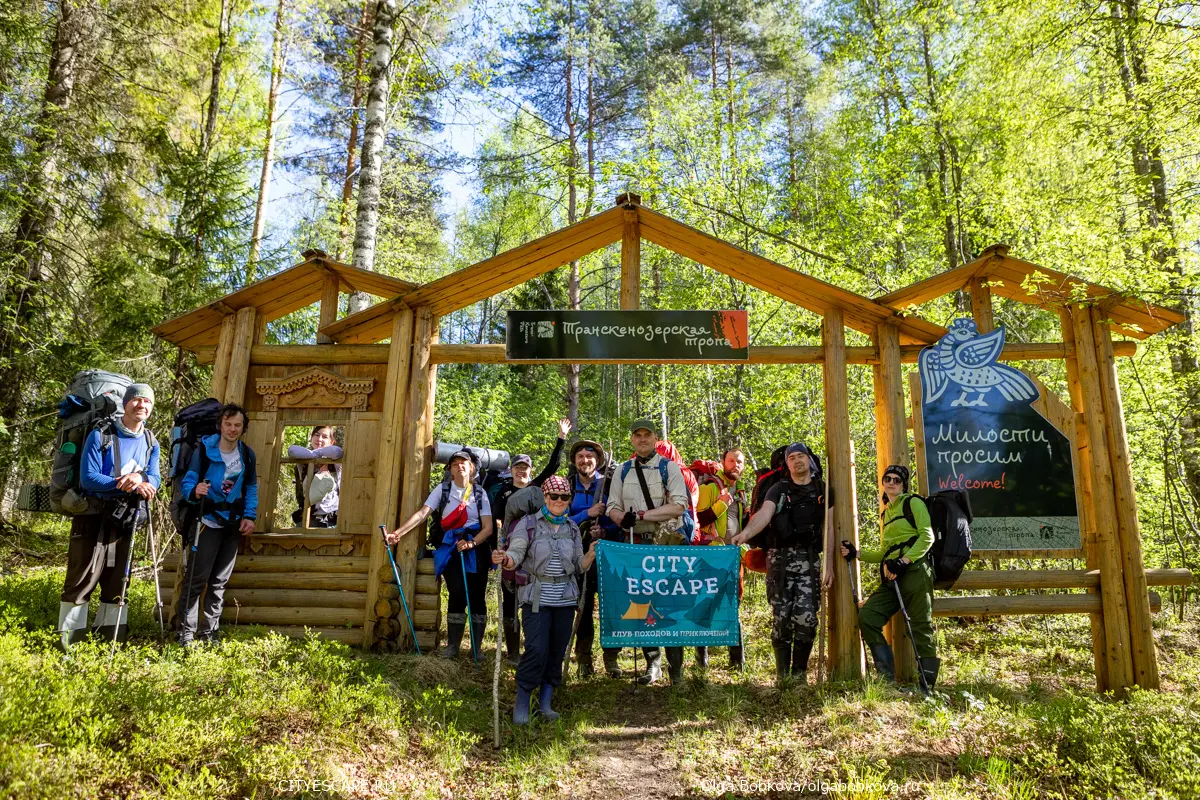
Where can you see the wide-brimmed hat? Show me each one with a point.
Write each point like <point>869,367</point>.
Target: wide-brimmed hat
<point>601,456</point>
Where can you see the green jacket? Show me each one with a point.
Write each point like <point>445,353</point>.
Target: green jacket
<point>897,530</point>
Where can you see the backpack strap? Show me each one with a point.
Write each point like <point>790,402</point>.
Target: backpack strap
<point>908,513</point>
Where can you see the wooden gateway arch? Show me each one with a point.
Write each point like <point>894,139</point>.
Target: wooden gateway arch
<point>338,581</point>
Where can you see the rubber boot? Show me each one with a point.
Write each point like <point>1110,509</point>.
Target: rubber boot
<point>521,709</point>
<point>885,664</point>
<point>675,665</point>
<point>583,657</point>
<point>512,644</point>
<point>455,625</point>
<point>653,672</point>
<point>611,666</point>
<point>737,658</point>
<point>111,620</point>
<point>929,668</point>
<point>478,632</point>
<point>702,657</point>
<point>800,653</point>
<point>72,624</point>
<point>783,659</point>
<point>544,703</point>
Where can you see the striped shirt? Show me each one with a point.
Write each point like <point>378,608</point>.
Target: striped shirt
<point>552,594</point>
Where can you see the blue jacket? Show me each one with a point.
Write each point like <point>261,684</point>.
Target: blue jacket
<point>96,474</point>
<point>241,501</point>
<point>583,499</point>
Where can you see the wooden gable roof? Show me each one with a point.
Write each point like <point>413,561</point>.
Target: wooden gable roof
<point>1007,276</point>
<point>474,283</point>
<point>276,296</point>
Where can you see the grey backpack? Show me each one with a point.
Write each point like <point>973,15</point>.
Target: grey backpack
<point>94,398</point>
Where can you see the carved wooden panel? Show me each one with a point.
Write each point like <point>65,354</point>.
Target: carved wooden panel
<point>315,387</point>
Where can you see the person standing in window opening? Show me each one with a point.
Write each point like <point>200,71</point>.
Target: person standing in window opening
<point>906,535</point>
<point>794,514</point>
<point>461,529</point>
<point>118,465</point>
<point>548,549</point>
<point>650,511</point>
<point>223,480</point>
<point>519,478</point>
<point>320,484</point>
<point>722,511</point>
<point>589,494</point>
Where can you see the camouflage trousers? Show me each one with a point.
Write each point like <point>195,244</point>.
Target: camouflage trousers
<point>794,592</point>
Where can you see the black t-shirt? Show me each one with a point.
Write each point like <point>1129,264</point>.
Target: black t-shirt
<point>799,518</point>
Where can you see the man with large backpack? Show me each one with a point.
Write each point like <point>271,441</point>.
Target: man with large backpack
<point>648,500</point>
<point>119,475</point>
<point>907,536</point>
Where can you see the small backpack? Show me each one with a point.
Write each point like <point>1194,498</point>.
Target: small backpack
<point>190,425</point>
<point>94,399</point>
<point>687,526</point>
<point>950,516</point>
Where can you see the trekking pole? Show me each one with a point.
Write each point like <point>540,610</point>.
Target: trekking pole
<point>189,567</point>
<point>496,673</point>
<point>824,621</point>
<point>908,627</point>
<point>462,560</point>
<point>158,603</point>
<point>124,592</point>
<point>400,586</point>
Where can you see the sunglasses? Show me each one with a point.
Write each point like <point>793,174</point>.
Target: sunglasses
<point>892,479</point>
<point>563,497</point>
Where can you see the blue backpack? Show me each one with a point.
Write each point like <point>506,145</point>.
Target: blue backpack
<point>688,527</point>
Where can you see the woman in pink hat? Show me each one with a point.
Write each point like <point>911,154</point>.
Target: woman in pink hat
<point>546,550</point>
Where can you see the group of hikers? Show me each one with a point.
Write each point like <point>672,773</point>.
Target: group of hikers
<point>540,531</point>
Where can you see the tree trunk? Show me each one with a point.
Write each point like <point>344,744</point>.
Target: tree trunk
<point>352,142</point>
<point>370,178</point>
<point>572,199</point>
<point>949,229</point>
<point>278,60</point>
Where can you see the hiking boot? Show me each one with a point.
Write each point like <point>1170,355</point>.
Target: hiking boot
<point>800,653</point>
<point>455,625</point>
<point>929,668</point>
<point>653,672</point>
<point>675,665</point>
<point>783,659</point>
<point>512,644</point>
<point>521,709</point>
<point>885,663</point>
<point>583,657</point>
<point>737,658</point>
<point>610,664</point>
<point>702,657</point>
<point>478,631</point>
<point>544,703</point>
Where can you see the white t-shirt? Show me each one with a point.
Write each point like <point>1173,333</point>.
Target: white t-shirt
<point>233,468</point>
<point>434,501</point>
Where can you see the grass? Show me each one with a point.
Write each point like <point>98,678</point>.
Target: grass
<point>265,716</point>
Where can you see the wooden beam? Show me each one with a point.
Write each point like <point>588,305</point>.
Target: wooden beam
<point>306,354</point>
<point>933,287</point>
<point>981,305</point>
<point>388,461</point>
<point>631,262</point>
<point>1112,584</point>
<point>1141,636</point>
<point>329,305</point>
<point>1019,579</point>
<point>845,645</point>
<point>221,357</point>
<point>891,447</point>
<point>417,450</point>
<point>239,359</point>
<point>290,615</point>
<point>1017,604</point>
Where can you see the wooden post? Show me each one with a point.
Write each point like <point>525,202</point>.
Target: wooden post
<point>1081,463</point>
<point>418,444</point>
<point>891,447</point>
<point>1141,637</point>
<point>239,359</point>
<point>220,376</point>
<point>981,305</point>
<point>388,460</point>
<point>631,263</point>
<point>329,307</point>
<point>845,646</point>
<point>1112,584</point>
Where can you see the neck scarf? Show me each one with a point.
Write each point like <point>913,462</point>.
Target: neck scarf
<point>121,427</point>
<point>557,519</point>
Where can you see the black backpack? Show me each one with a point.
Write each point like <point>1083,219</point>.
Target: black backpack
<point>766,479</point>
<point>951,517</point>
<point>191,424</point>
